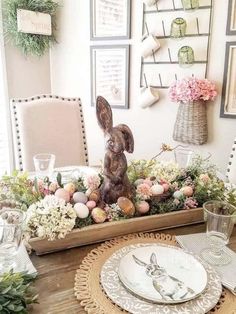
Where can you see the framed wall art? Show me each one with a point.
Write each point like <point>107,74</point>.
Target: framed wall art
<point>109,19</point>
<point>231,21</point>
<point>110,74</point>
<point>228,100</point>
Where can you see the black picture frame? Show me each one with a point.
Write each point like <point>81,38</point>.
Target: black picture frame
<point>228,79</point>
<point>231,9</point>
<point>94,69</point>
<point>112,37</point>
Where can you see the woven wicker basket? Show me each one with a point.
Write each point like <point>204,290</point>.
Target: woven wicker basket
<point>191,123</point>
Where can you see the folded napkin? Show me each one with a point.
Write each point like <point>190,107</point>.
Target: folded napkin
<point>195,243</point>
<point>23,262</point>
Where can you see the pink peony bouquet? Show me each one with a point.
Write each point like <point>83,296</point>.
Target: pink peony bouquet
<point>192,89</point>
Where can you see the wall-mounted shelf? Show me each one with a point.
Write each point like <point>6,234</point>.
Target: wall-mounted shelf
<point>162,67</point>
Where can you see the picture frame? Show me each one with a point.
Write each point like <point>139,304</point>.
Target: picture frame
<point>231,20</point>
<point>110,22</point>
<point>228,100</point>
<point>110,74</point>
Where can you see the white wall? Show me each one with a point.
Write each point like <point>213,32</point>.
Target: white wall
<point>70,76</point>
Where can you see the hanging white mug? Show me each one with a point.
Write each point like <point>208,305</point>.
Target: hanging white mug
<point>149,45</point>
<point>150,2</point>
<point>148,96</point>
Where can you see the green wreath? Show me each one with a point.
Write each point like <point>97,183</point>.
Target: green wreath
<point>30,44</point>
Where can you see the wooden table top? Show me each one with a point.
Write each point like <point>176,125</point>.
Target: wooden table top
<point>55,282</point>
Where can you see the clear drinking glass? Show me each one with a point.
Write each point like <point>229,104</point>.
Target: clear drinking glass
<point>44,164</point>
<point>178,28</point>
<point>220,218</point>
<point>11,221</point>
<point>190,4</point>
<point>183,157</point>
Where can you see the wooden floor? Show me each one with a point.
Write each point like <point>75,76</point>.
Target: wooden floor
<point>57,270</point>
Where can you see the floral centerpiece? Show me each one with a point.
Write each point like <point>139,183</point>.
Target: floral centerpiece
<point>191,122</point>
<point>54,209</point>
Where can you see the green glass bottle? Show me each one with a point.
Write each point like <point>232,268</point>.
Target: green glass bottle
<point>178,28</point>
<point>190,4</point>
<point>186,56</point>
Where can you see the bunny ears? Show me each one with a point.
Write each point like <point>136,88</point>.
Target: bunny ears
<point>105,121</point>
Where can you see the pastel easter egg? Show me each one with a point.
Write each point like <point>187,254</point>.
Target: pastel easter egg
<point>81,210</point>
<point>148,182</point>
<point>138,182</point>
<point>62,193</point>
<point>91,205</point>
<point>166,187</point>
<point>157,189</point>
<point>187,190</point>
<point>70,187</point>
<point>142,207</point>
<point>95,196</point>
<point>178,194</point>
<point>204,177</point>
<point>53,187</point>
<point>99,215</point>
<point>126,206</point>
<point>80,197</point>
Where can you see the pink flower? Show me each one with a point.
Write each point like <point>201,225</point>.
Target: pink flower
<point>144,191</point>
<point>190,202</point>
<point>92,182</point>
<point>192,89</point>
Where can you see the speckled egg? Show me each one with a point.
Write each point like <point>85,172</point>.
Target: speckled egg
<point>95,196</point>
<point>126,206</point>
<point>70,187</point>
<point>81,210</point>
<point>138,182</point>
<point>63,194</point>
<point>98,215</point>
<point>178,194</point>
<point>142,207</point>
<point>187,190</point>
<point>80,197</point>
<point>157,189</point>
<point>91,205</point>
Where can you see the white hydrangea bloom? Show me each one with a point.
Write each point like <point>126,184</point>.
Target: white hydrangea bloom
<point>166,170</point>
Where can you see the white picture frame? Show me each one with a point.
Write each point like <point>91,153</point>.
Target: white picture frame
<point>109,20</point>
<point>110,74</point>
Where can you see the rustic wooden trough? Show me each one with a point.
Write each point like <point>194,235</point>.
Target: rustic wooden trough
<point>101,232</point>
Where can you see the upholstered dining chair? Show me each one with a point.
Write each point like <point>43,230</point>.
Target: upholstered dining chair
<point>48,124</point>
<point>231,169</point>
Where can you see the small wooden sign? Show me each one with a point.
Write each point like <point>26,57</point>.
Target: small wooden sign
<point>34,22</point>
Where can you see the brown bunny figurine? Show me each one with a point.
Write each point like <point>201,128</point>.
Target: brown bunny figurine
<point>120,138</point>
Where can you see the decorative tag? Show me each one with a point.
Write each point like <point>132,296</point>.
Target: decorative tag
<point>34,22</point>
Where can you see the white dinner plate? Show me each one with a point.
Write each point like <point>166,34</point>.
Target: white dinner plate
<point>162,274</point>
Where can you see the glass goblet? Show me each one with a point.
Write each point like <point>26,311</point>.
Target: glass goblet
<point>220,218</point>
<point>11,221</point>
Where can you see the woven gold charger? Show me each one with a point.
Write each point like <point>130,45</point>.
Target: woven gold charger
<point>87,280</point>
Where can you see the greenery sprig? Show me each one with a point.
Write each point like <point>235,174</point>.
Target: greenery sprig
<point>16,293</point>
<point>30,44</point>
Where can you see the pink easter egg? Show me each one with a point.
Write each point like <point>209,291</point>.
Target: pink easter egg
<point>62,193</point>
<point>91,205</point>
<point>148,182</point>
<point>142,207</point>
<point>166,186</point>
<point>187,190</point>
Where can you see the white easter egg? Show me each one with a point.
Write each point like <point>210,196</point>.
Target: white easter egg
<point>81,210</point>
<point>178,194</point>
<point>157,189</point>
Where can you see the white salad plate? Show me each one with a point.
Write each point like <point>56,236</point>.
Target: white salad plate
<point>162,274</point>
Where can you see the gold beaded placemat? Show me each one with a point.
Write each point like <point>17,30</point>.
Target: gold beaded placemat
<point>89,292</point>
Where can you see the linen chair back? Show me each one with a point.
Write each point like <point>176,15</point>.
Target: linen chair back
<point>231,169</point>
<point>48,124</point>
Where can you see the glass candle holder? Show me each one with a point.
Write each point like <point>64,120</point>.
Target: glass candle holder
<point>186,56</point>
<point>44,165</point>
<point>178,28</point>
<point>190,4</point>
<point>183,156</point>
